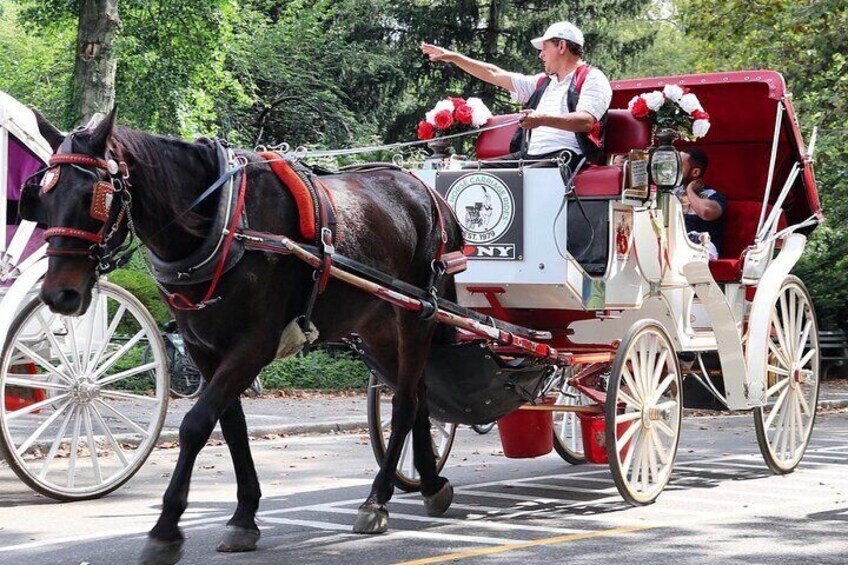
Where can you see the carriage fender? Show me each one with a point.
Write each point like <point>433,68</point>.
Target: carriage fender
<point>17,294</point>
<point>760,316</point>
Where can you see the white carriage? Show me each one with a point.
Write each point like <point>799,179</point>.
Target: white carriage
<point>607,276</point>
<point>78,412</point>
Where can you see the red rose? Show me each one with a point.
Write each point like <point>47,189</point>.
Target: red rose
<point>640,108</point>
<point>457,101</point>
<point>443,119</point>
<point>700,115</point>
<point>425,130</point>
<point>463,114</point>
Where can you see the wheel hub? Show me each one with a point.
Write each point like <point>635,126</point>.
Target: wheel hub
<point>85,390</point>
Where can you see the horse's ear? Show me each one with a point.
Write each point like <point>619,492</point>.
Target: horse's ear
<point>48,131</point>
<point>102,131</point>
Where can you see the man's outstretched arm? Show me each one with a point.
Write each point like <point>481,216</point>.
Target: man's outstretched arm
<point>478,69</point>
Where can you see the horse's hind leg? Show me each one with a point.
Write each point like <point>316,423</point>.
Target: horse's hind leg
<point>413,344</point>
<point>242,532</point>
<point>437,491</point>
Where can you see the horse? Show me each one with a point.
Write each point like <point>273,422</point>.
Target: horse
<point>387,220</point>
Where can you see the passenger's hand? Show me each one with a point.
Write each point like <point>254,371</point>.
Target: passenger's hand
<point>696,186</point>
<point>531,119</point>
<point>437,53</point>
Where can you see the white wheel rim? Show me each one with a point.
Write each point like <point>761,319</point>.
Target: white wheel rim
<point>440,432</point>
<point>84,368</point>
<point>567,424</point>
<point>648,425</point>
<point>792,377</point>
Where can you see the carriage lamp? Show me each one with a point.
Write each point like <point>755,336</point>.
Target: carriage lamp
<point>666,166</point>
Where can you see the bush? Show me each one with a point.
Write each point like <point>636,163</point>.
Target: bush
<point>141,285</point>
<point>319,370</point>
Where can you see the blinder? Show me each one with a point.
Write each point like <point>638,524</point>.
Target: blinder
<point>30,206</point>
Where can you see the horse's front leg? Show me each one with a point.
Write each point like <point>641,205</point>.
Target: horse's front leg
<point>233,375</point>
<point>242,532</point>
<point>413,345</point>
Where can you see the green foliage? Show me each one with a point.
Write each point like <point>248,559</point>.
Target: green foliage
<point>317,371</point>
<point>134,278</point>
<point>806,41</point>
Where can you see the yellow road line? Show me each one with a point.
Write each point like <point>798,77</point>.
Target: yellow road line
<point>512,547</point>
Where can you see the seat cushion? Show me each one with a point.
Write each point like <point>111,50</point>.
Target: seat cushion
<point>598,181</point>
<point>495,142</point>
<point>726,270</point>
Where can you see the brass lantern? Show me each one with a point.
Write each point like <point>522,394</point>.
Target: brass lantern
<point>666,165</point>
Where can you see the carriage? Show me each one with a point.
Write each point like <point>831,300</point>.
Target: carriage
<point>630,318</point>
<point>78,413</point>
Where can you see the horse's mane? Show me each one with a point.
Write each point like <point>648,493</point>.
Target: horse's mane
<point>151,162</point>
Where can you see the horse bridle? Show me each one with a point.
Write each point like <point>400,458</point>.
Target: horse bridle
<point>106,257</point>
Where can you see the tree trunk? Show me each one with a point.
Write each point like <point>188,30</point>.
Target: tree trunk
<point>94,68</point>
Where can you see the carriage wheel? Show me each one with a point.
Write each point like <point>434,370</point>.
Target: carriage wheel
<point>644,412</point>
<point>785,423</point>
<point>93,416</point>
<point>568,437</point>
<point>406,476</point>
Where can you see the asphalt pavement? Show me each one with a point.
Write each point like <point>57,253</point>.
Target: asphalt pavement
<point>319,413</point>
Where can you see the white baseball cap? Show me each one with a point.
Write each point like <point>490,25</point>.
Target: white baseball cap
<point>560,30</point>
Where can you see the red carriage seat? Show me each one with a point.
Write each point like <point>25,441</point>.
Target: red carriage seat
<point>624,132</point>
<point>740,229</point>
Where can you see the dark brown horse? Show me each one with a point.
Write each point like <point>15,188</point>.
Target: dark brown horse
<point>387,220</point>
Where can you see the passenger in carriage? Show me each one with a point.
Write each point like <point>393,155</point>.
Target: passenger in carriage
<point>565,107</point>
<point>703,206</point>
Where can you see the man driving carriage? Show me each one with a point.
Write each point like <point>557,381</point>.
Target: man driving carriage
<point>703,206</point>
<point>564,108</point>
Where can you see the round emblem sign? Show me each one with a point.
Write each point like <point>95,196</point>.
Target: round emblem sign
<point>484,206</point>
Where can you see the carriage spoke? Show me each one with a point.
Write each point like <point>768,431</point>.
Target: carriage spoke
<point>802,402</point>
<point>778,327</point>
<point>44,363</point>
<point>54,447</point>
<point>627,417</point>
<point>777,370</point>
<point>110,437</point>
<point>628,457</point>
<point>652,459</point>
<point>119,394</point>
<point>441,428</point>
<point>34,384</point>
<point>778,354</point>
<point>670,378</point>
<point>51,337</point>
<point>629,400</point>
<point>807,356</point>
<point>72,337</point>
<point>655,379</point>
<point>95,297</point>
<point>791,327</point>
<point>124,419</point>
<point>642,376</point>
<point>631,385</point>
<point>777,387</point>
<point>107,339</point>
<point>92,446</point>
<point>118,354</point>
<point>75,436</point>
<point>36,406</point>
<point>621,442</point>
<point>805,335</point>
<point>778,405</point>
<point>664,458</point>
<point>664,428</point>
<point>41,429</point>
<point>128,373</point>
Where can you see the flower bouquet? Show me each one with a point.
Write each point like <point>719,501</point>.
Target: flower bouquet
<point>672,108</point>
<point>452,115</point>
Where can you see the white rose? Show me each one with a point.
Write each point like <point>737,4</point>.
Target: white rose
<point>430,117</point>
<point>700,128</point>
<point>654,100</point>
<point>673,91</point>
<point>689,103</point>
<point>480,114</point>
<point>444,105</point>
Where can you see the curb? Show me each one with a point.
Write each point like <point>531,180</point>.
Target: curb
<point>256,432</point>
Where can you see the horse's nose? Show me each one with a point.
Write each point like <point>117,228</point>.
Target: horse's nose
<point>63,301</point>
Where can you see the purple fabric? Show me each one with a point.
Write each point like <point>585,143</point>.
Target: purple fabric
<point>22,163</point>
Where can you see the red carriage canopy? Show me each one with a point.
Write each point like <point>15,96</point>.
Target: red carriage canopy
<point>743,111</point>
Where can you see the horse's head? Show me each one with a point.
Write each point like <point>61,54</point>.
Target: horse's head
<point>74,199</point>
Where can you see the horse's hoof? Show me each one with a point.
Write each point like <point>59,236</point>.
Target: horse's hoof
<point>439,503</point>
<point>371,519</point>
<point>157,552</point>
<point>237,539</point>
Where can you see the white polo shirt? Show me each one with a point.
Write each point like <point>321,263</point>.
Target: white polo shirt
<point>595,97</point>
